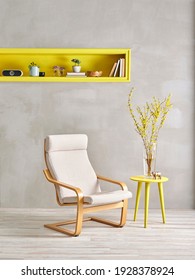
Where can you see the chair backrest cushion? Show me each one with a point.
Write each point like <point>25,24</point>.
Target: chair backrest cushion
<point>68,162</point>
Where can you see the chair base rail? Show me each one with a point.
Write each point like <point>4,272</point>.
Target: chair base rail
<point>106,222</point>
<point>58,226</point>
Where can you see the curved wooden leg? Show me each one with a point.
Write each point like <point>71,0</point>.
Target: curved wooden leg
<point>114,224</point>
<point>56,227</point>
<point>79,220</point>
<point>124,213</point>
<point>139,187</point>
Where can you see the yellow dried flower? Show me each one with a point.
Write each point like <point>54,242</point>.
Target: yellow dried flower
<point>150,119</point>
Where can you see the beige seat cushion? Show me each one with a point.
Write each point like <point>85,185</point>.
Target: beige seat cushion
<point>101,198</point>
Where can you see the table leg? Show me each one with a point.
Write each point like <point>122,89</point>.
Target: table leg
<point>160,188</point>
<point>147,195</point>
<point>139,187</point>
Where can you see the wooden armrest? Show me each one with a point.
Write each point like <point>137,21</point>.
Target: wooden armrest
<point>48,176</point>
<point>121,184</point>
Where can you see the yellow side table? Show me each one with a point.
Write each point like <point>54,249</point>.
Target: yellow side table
<point>147,181</point>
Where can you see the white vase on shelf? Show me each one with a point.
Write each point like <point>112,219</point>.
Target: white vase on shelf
<point>76,68</point>
<point>34,71</point>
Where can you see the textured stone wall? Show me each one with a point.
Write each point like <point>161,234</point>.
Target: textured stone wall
<point>161,36</point>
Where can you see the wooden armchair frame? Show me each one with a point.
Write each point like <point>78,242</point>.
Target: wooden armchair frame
<point>81,210</point>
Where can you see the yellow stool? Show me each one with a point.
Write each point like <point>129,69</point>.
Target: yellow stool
<point>147,181</point>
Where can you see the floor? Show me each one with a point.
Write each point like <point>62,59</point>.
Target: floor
<point>22,236</point>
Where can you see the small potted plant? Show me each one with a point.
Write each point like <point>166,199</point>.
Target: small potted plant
<point>76,68</point>
<point>34,69</point>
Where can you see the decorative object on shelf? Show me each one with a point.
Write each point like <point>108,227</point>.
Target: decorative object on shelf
<point>74,74</point>
<point>76,68</point>
<point>34,69</point>
<point>148,124</point>
<point>12,72</point>
<point>58,71</point>
<point>41,74</point>
<point>94,73</point>
<point>156,175</point>
<point>118,68</point>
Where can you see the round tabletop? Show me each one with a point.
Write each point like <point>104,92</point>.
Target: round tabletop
<point>145,179</point>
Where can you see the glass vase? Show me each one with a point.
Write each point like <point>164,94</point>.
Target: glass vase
<point>149,160</point>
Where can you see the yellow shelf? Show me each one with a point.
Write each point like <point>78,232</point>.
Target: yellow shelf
<point>91,60</point>
<point>62,79</point>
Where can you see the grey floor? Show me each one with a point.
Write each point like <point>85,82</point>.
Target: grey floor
<point>22,236</point>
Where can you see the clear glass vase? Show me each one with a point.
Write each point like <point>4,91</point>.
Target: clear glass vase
<point>149,160</point>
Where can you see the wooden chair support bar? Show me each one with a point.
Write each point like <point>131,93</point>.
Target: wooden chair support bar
<point>103,207</point>
<point>122,219</point>
<point>57,226</point>
<point>106,222</point>
<point>51,180</point>
<point>121,184</point>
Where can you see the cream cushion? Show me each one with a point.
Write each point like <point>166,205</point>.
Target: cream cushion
<point>67,142</point>
<point>68,162</point>
<point>101,197</point>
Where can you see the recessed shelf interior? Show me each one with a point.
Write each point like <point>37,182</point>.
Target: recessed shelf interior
<point>97,60</point>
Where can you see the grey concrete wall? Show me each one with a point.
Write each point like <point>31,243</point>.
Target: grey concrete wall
<point>161,36</point>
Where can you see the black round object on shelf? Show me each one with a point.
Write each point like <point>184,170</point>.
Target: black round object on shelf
<point>12,72</point>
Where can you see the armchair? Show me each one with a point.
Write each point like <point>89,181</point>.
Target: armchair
<point>76,184</point>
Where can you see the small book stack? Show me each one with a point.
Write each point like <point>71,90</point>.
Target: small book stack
<point>74,74</point>
<point>118,69</point>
